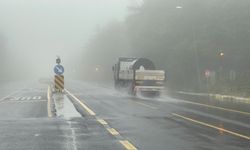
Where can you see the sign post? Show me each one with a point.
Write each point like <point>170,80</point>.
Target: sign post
<point>59,78</point>
<point>59,69</point>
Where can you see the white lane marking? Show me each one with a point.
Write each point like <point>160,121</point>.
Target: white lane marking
<point>37,97</point>
<point>25,98</point>
<point>49,102</point>
<point>34,101</point>
<point>4,98</point>
<point>72,145</point>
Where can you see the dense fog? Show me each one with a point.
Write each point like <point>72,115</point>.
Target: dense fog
<point>184,38</point>
<point>33,33</point>
<point>187,39</point>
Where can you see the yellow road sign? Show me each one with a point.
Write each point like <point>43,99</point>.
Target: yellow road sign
<point>59,82</point>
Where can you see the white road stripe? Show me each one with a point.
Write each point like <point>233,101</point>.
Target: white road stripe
<point>33,101</point>
<point>4,98</point>
<point>72,144</point>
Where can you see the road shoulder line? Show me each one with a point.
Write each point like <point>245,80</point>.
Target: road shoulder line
<point>91,112</point>
<point>216,107</point>
<point>212,126</point>
<point>125,143</point>
<point>49,102</point>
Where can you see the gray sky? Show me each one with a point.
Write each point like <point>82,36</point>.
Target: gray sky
<point>37,30</point>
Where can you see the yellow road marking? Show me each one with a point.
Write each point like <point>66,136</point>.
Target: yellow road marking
<point>49,102</point>
<point>91,112</point>
<point>215,107</point>
<point>146,105</point>
<point>212,126</point>
<point>128,145</point>
<point>113,131</point>
<point>101,121</point>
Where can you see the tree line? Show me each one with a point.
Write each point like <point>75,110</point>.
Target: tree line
<point>185,38</point>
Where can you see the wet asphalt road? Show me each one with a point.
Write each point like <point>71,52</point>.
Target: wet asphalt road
<point>25,125</point>
<point>168,123</point>
<point>110,120</point>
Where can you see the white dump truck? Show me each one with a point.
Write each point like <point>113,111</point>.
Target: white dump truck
<point>138,75</point>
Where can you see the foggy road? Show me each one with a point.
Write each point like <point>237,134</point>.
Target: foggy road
<point>72,75</point>
<point>25,124</point>
<point>102,118</point>
<point>167,123</point>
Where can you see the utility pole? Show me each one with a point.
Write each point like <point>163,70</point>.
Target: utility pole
<point>197,62</point>
<point>196,51</point>
<point>221,69</point>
